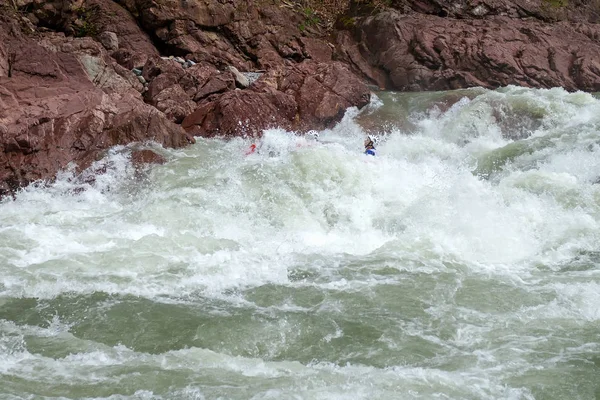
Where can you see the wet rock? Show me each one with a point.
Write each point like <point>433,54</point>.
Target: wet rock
<point>109,40</point>
<point>146,156</point>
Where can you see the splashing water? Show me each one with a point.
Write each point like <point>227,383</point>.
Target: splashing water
<point>463,262</point>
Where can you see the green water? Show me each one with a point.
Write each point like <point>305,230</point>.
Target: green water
<point>463,262</point>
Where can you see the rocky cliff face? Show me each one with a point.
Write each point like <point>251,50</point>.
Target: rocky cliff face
<point>439,45</point>
<point>79,76</point>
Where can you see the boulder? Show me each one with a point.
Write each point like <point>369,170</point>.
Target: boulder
<point>101,69</point>
<point>174,103</point>
<point>158,65</point>
<point>109,40</point>
<point>306,96</point>
<point>240,80</point>
<point>174,89</point>
<point>90,18</point>
<point>196,77</point>
<point>146,156</point>
<point>241,113</point>
<point>218,83</point>
<point>130,59</point>
<point>323,92</point>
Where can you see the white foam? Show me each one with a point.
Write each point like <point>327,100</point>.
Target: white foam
<point>296,197</point>
<point>213,222</point>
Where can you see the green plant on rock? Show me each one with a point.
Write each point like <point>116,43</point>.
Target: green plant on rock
<point>14,7</point>
<point>85,25</point>
<point>310,19</point>
<point>348,22</point>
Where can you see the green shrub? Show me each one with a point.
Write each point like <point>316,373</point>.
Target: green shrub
<point>87,17</point>
<point>310,19</point>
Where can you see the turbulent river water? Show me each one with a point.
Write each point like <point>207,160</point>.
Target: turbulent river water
<point>463,262</point>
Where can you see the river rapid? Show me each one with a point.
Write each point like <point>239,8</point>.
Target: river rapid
<point>463,262</point>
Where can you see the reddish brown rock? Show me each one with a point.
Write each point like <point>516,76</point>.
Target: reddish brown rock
<point>55,109</point>
<point>543,10</point>
<point>196,77</point>
<point>242,33</point>
<point>90,18</point>
<point>156,66</point>
<point>242,113</point>
<point>356,54</point>
<point>145,156</point>
<point>102,70</point>
<point>217,83</point>
<point>425,52</point>
<point>323,92</point>
<point>316,49</point>
<point>305,96</point>
<point>110,16</point>
<point>174,90</point>
<point>205,13</point>
<point>130,59</point>
<point>174,103</point>
<point>158,84</point>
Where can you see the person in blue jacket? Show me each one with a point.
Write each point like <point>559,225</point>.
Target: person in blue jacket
<point>370,143</point>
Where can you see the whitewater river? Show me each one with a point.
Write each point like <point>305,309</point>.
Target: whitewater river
<point>463,262</point>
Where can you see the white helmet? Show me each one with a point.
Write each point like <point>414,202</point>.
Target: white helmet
<point>373,138</point>
<point>313,135</point>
